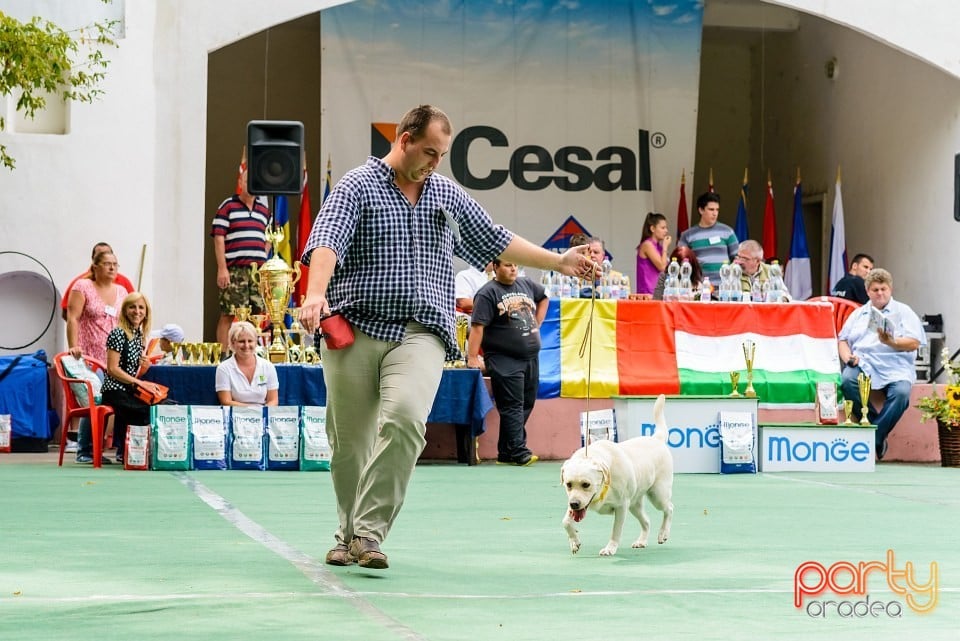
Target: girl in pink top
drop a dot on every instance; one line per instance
(652, 253)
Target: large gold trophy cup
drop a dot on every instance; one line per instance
(863, 383)
(749, 355)
(275, 281)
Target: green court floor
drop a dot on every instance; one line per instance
(478, 553)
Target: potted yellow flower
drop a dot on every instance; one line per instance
(946, 411)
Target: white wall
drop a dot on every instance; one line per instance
(131, 170)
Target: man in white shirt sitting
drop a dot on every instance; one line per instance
(888, 358)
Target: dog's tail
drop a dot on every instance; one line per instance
(659, 419)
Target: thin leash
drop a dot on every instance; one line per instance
(586, 345)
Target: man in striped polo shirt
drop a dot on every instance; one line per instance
(712, 241)
(239, 240)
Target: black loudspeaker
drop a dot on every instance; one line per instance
(274, 157)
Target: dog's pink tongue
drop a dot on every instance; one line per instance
(578, 514)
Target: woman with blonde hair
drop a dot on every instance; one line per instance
(245, 378)
(125, 360)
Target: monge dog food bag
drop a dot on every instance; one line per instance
(283, 438)
(314, 446)
(737, 443)
(170, 438)
(208, 429)
(246, 438)
(137, 453)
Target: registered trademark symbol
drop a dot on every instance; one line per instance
(658, 140)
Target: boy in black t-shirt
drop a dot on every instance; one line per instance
(507, 313)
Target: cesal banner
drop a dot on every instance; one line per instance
(584, 109)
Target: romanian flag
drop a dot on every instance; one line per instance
(650, 347)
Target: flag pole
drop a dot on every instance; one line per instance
(143, 257)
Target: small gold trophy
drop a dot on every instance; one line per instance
(848, 412)
(734, 382)
(242, 312)
(749, 355)
(275, 281)
(175, 357)
(863, 381)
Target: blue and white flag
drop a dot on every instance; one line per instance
(797, 277)
(838, 242)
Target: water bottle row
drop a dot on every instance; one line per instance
(771, 290)
(608, 286)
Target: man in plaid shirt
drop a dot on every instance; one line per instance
(381, 253)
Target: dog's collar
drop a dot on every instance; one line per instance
(606, 482)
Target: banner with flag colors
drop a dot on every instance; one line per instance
(651, 347)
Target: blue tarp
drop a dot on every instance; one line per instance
(23, 394)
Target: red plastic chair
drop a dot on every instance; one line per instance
(842, 308)
(96, 413)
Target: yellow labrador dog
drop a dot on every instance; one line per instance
(610, 477)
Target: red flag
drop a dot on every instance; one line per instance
(241, 169)
(303, 232)
(682, 221)
(710, 185)
(769, 226)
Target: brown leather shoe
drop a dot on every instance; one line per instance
(340, 555)
(368, 554)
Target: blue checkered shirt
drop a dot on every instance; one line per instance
(394, 260)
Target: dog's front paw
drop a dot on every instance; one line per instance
(610, 549)
(640, 543)
(662, 538)
(574, 546)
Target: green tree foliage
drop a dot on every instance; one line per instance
(38, 59)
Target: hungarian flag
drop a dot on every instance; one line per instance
(682, 221)
(769, 226)
(641, 348)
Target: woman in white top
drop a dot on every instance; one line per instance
(245, 378)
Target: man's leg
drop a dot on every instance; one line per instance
(896, 403)
(410, 375)
(352, 378)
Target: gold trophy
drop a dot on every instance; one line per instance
(863, 382)
(275, 281)
(848, 412)
(241, 312)
(749, 355)
(734, 382)
(462, 323)
(175, 357)
(205, 353)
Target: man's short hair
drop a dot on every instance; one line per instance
(878, 275)
(859, 257)
(753, 248)
(579, 239)
(708, 197)
(419, 118)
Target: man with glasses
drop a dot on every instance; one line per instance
(750, 258)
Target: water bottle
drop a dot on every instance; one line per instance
(613, 287)
(725, 284)
(776, 283)
(686, 284)
(566, 290)
(672, 283)
(736, 274)
(624, 287)
(546, 281)
(756, 292)
(705, 290)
